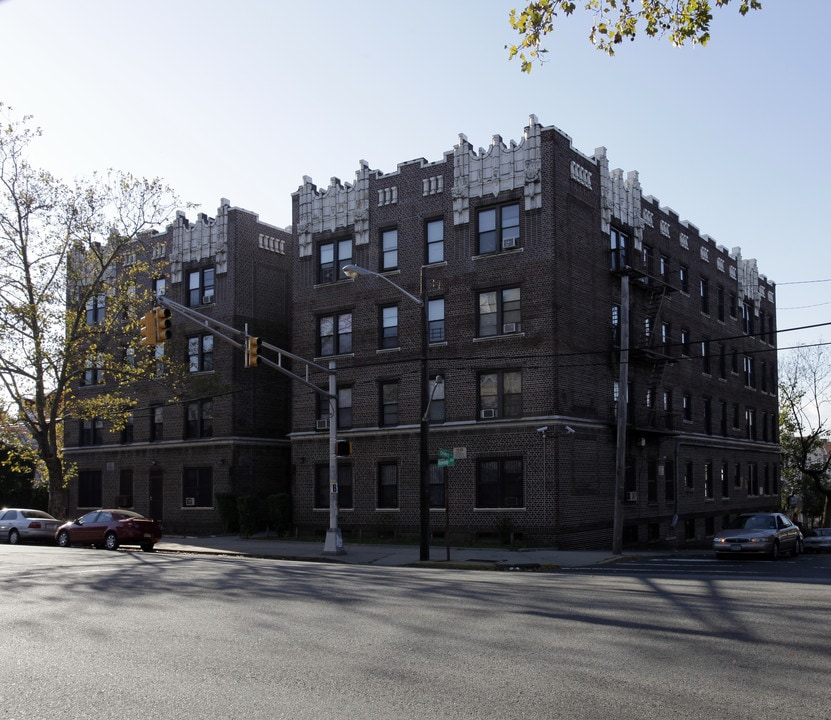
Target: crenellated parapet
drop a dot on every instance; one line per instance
(620, 198)
(497, 169)
(339, 206)
(207, 238)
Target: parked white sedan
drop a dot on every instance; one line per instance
(19, 524)
(818, 540)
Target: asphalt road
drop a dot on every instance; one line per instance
(96, 634)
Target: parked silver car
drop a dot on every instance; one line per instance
(19, 524)
(769, 534)
(818, 540)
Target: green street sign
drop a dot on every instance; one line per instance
(446, 458)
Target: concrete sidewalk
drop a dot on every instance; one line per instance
(385, 555)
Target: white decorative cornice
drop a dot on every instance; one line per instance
(206, 239)
(497, 169)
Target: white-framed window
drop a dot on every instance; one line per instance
(498, 228)
(499, 312)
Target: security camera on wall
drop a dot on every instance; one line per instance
(542, 430)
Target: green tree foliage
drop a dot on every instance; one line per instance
(804, 397)
(72, 290)
(614, 21)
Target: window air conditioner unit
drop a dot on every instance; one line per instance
(322, 424)
(190, 502)
(207, 299)
(508, 243)
(487, 414)
(510, 328)
(632, 496)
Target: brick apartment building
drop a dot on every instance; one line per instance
(527, 253)
(226, 429)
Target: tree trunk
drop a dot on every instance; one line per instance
(57, 491)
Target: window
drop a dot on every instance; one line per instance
(499, 312)
(95, 309)
(156, 423)
(763, 373)
(752, 479)
(201, 287)
(127, 431)
(159, 287)
(683, 278)
(747, 318)
(705, 356)
(389, 403)
(90, 488)
(389, 327)
(435, 320)
(708, 480)
(125, 487)
(92, 432)
(199, 419)
(197, 487)
(437, 406)
(708, 416)
(720, 303)
(435, 241)
(498, 228)
(725, 480)
(335, 334)
(750, 423)
(686, 407)
(689, 481)
(437, 486)
(731, 305)
(663, 267)
(685, 342)
(389, 249)
(333, 256)
(669, 480)
(737, 476)
(322, 494)
(620, 249)
(735, 416)
(500, 394)
(722, 417)
(648, 262)
(734, 362)
(749, 371)
(704, 292)
(344, 409)
(722, 361)
(94, 373)
(666, 337)
(499, 483)
(201, 353)
(387, 485)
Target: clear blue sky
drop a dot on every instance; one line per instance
(242, 99)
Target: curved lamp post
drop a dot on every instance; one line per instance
(353, 271)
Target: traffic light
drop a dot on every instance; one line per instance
(147, 323)
(343, 448)
(252, 351)
(161, 318)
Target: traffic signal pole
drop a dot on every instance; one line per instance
(252, 346)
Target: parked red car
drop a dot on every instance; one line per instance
(109, 529)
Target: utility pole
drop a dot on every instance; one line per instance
(622, 416)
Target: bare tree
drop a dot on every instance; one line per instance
(805, 400)
(72, 290)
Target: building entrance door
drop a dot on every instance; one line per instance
(156, 495)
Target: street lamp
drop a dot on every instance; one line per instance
(353, 271)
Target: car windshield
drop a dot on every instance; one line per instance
(754, 522)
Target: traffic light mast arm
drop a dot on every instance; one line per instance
(229, 334)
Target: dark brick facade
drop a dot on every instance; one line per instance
(155, 470)
(563, 347)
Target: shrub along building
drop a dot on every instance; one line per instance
(223, 428)
(596, 366)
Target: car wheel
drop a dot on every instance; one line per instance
(111, 541)
(774, 554)
(147, 547)
(63, 539)
(14, 537)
